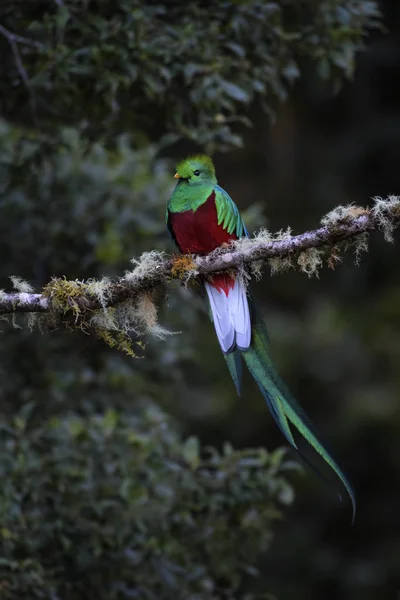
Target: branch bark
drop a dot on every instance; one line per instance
(341, 225)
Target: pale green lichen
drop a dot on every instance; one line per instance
(135, 316)
(360, 245)
(14, 321)
(279, 264)
(101, 290)
(340, 214)
(310, 261)
(264, 236)
(243, 244)
(114, 325)
(146, 266)
(256, 269)
(278, 236)
(384, 210)
(20, 285)
(105, 319)
(2, 296)
(147, 315)
(32, 318)
(117, 324)
(114, 331)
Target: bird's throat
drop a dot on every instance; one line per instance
(189, 197)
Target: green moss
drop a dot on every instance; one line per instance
(71, 297)
(64, 295)
(118, 339)
(310, 261)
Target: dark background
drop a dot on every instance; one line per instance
(335, 338)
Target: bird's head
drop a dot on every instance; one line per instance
(196, 170)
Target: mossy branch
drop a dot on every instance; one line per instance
(126, 305)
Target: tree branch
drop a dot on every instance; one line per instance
(13, 40)
(343, 227)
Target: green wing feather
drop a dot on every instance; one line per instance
(228, 214)
(284, 408)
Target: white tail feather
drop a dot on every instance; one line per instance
(231, 316)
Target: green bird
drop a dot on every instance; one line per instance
(201, 216)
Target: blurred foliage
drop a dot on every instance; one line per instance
(177, 68)
(101, 494)
(115, 507)
(66, 189)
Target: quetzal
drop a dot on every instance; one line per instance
(201, 216)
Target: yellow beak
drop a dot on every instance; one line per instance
(177, 176)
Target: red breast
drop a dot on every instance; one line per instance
(198, 232)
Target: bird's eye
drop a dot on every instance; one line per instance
(197, 173)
